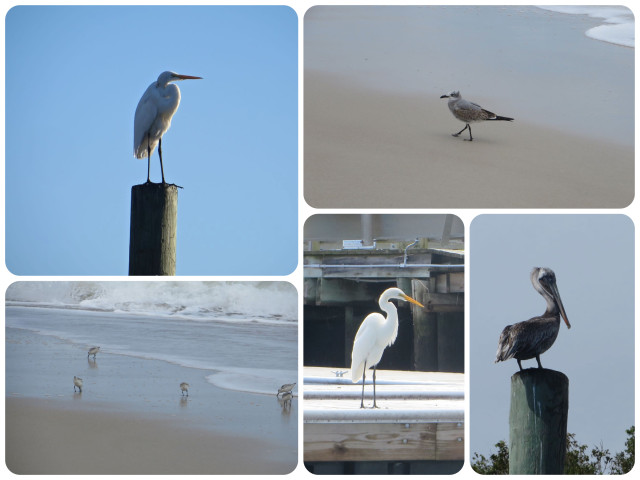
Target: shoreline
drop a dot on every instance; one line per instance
(49, 437)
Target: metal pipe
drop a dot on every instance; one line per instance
(405, 251)
(385, 265)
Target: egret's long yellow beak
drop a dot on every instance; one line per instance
(409, 299)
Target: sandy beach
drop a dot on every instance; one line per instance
(51, 437)
(131, 416)
(377, 135)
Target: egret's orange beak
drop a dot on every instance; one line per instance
(409, 299)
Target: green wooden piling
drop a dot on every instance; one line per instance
(152, 242)
(538, 422)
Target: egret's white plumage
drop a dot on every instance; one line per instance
(374, 335)
(184, 386)
(153, 116)
(77, 382)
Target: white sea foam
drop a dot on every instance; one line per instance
(263, 302)
(618, 27)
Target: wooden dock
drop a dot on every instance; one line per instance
(420, 416)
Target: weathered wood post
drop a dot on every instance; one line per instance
(152, 242)
(425, 332)
(538, 422)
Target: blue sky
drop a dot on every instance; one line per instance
(593, 259)
(74, 76)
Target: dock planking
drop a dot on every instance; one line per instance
(421, 416)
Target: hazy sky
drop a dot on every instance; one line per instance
(593, 258)
(74, 76)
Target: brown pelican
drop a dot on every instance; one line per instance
(533, 337)
(374, 335)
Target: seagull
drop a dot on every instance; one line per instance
(286, 388)
(469, 112)
(93, 351)
(77, 382)
(184, 386)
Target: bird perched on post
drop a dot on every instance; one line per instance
(77, 382)
(469, 112)
(184, 387)
(374, 335)
(533, 337)
(153, 116)
(93, 351)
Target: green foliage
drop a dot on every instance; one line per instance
(578, 460)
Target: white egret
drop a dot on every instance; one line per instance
(93, 351)
(153, 116)
(286, 388)
(184, 386)
(77, 382)
(374, 335)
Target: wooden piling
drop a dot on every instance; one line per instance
(152, 242)
(538, 422)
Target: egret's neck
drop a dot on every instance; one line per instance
(391, 323)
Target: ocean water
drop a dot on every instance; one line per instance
(618, 25)
(239, 336)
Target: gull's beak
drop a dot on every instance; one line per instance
(409, 299)
(444, 96)
(187, 77)
(556, 296)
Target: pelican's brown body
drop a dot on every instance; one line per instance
(533, 337)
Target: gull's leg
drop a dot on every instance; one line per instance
(465, 127)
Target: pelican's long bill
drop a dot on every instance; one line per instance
(556, 296)
(409, 299)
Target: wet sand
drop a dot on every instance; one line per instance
(47, 437)
(377, 135)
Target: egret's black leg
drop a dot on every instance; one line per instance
(364, 374)
(465, 127)
(519, 364)
(538, 359)
(148, 160)
(374, 387)
(160, 153)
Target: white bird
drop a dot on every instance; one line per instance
(286, 388)
(93, 351)
(77, 382)
(374, 335)
(153, 116)
(469, 112)
(184, 386)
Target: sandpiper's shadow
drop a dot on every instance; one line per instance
(184, 401)
(92, 362)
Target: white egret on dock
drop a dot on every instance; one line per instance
(286, 388)
(153, 116)
(184, 387)
(93, 351)
(374, 335)
(77, 382)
